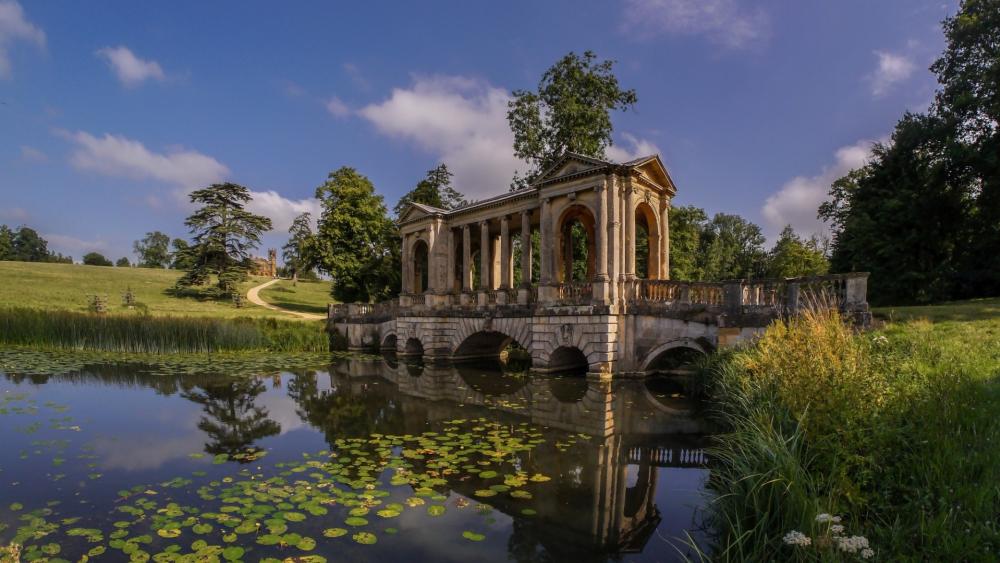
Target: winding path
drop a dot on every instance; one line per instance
(253, 295)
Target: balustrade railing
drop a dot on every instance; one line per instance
(575, 293)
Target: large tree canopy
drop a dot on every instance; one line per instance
(570, 111)
(299, 253)
(224, 233)
(356, 242)
(923, 215)
(153, 250)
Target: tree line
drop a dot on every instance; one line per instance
(923, 215)
(24, 244)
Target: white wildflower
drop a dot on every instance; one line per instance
(852, 544)
(867, 553)
(797, 538)
(837, 529)
(824, 518)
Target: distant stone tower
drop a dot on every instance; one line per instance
(272, 262)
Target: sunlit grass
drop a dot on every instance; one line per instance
(304, 296)
(896, 430)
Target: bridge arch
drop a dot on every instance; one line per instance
(389, 342)
(421, 265)
(568, 359)
(677, 348)
(413, 347)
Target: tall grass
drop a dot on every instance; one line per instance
(155, 335)
(894, 431)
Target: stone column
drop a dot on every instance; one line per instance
(629, 216)
(547, 251)
(449, 278)
(665, 238)
(466, 258)
(484, 255)
(614, 233)
(432, 268)
(506, 273)
(600, 286)
(407, 264)
(524, 293)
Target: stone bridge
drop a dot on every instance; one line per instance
(585, 286)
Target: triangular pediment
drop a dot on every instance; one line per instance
(652, 168)
(415, 211)
(569, 164)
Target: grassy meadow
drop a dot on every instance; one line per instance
(67, 287)
(891, 434)
(304, 296)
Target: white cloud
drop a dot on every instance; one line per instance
(115, 155)
(724, 22)
(798, 200)
(73, 246)
(892, 69)
(337, 107)
(130, 69)
(281, 210)
(14, 214)
(15, 27)
(638, 148)
(461, 121)
(31, 154)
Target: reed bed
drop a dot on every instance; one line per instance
(146, 334)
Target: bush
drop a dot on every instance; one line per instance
(96, 259)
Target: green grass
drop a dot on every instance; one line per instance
(305, 296)
(66, 287)
(896, 431)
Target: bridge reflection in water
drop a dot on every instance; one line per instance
(607, 497)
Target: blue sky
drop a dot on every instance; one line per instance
(111, 112)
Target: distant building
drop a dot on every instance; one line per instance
(266, 267)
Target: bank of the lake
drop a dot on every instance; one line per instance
(893, 433)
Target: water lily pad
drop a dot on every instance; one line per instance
(168, 532)
(485, 493)
(488, 474)
(295, 516)
(233, 553)
(473, 536)
(334, 532)
(269, 539)
(355, 521)
(520, 494)
(436, 510)
(365, 538)
(529, 512)
(306, 544)
(15, 506)
(201, 528)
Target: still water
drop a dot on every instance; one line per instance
(355, 461)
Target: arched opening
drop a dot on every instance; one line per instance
(388, 344)
(420, 266)
(413, 347)
(575, 247)
(647, 243)
(495, 346)
(568, 360)
(674, 360)
(568, 389)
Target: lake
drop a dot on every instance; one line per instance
(353, 460)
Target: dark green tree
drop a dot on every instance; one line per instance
(153, 250)
(6, 243)
(299, 252)
(434, 190)
(570, 111)
(223, 234)
(123, 263)
(29, 246)
(687, 223)
(180, 256)
(96, 259)
(356, 242)
(793, 257)
(733, 248)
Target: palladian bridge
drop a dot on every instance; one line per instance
(575, 271)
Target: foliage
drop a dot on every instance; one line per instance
(725, 247)
(299, 252)
(356, 242)
(434, 190)
(570, 111)
(923, 216)
(154, 335)
(893, 429)
(123, 263)
(24, 244)
(152, 250)
(181, 258)
(223, 235)
(686, 226)
(96, 259)
(792, 257)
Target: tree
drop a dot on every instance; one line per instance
(152, 250)
(356, 242)
(6, 243)
(223, 235)
(792, 257)
(299, 252)
(180, 258)
(686, 226)
(434, 190)
(29, 246)
(733, 248)
(570, 111)
(96, 259)
(123, 263)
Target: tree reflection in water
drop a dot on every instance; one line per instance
(232, 420)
